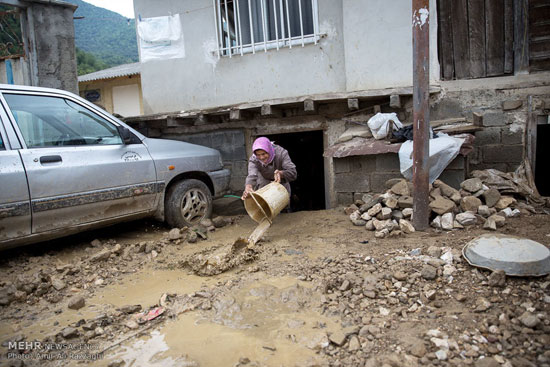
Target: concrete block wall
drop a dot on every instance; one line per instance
(231, 145)
(358, 175)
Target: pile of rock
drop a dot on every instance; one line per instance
(391, 213)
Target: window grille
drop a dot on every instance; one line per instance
(249, 26)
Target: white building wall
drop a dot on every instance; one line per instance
(368, 45)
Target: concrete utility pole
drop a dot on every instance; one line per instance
(421, 111)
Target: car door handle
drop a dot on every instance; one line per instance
(50, 159)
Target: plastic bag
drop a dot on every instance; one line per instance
(443, 150)
(379, 124)
(160, 38)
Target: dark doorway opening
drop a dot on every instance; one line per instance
(542, 173)
(306, 151)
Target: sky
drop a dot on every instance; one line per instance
(123, 7)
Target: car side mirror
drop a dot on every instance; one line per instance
(125, 134)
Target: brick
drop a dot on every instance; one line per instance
(494, 119)
(512, 137)
(344, 198)
(489, 135)
(341, 165)
(378, 180)
(236, 183)
(351, 182)
(388, 162)
(365, 163)
(503, 167)
(358, 196)
(457, 163)
(237, 137)
(446, 108)
(240, 168)
(511, 105)
(502, 153)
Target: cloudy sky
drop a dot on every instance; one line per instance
(123, 7)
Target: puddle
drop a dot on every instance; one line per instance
(268, 321)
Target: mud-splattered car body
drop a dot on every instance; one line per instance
(67, 166)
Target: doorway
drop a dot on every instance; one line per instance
(542, 174)
(306, 152)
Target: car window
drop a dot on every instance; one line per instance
(1, 143)
(52, 121)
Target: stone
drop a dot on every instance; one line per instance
(457, 225)
(472, 185)
(407, 212)
(370, 225)
(441, 355)
(338, 338)
(406, 226)
(100, 256)
(207, 222)
(76, 303)
(482, 305)
(356, 215)
(69, 333)
(441, 205)
(466, 219)
(358, 222)
(405, 202)
(470, 204)
(397, 215)
(381, 224)
(418, 349)
(497, 279)
(529, 320)
(385, 213)
(434, 251)
(447, 221)
(382, 233)
(58, 284)
(354, 344)
(484, 211)
(505, 202)
(192, 237)
(174, 234)
(96, 243)
(490, 224)
(366, 217)
(498, 219)
(348, 210)
(512, 105)
(447, 190)
(369, 204)
(401, 188)
(128, 309)
(436, 223)
(219, 222)
(375, 210)
(491, 197)
(390, 202)
(428, 272)
(131, 324)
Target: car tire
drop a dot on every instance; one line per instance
(187, 203)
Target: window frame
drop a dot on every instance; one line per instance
(17, 129)
(281, 19)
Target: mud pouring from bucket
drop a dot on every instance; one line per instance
(263, 206)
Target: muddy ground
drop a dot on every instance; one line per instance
(316, 291)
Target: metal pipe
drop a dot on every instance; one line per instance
(228, 29)
(281, 12)
(301, 21)
(238, 15)
(219, 32)
(263, 24)
(251, 27)
(276, 26)
(288, 21)
(421, 112)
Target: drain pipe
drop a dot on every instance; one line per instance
(421, 112)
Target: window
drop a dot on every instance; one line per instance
(244, 26)
(51, 121)
(2, 143)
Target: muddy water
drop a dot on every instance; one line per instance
(265, 321)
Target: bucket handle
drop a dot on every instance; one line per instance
(262, 209)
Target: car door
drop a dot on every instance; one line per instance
(78, 168)
(15, 212)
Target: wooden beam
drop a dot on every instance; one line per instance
(310, 106)
(268, 110)
(395, 101)
(238, 114)
(477, 119)
(353, 104)
(446, 39)
(476, 34)
(461, 48)
(521, 37)
(376, 109)
(494, 23)
(508, 36)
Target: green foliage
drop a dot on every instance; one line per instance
(10, 32)
(109, 36)
(88, 63)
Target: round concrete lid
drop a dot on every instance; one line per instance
(515, 256)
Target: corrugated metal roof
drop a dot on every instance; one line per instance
(114, 72)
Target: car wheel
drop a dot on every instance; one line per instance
(187, 203)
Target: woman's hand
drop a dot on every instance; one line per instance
(278, 176)
(247, 190)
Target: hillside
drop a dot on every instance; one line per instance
(109, 36)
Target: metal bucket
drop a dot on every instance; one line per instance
(267, 202)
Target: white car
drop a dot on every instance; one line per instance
(66, 166)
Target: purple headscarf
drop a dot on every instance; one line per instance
(264, 144)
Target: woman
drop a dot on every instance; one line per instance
(270, 162)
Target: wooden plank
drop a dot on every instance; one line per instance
(476, 35)
(445, 31)
(459, 129)
(508, 36)
(461, 48)
(494, 28)
(531, 135)
(521, 37)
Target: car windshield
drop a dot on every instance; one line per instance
(47, 121)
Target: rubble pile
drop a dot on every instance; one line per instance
(390, 214)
